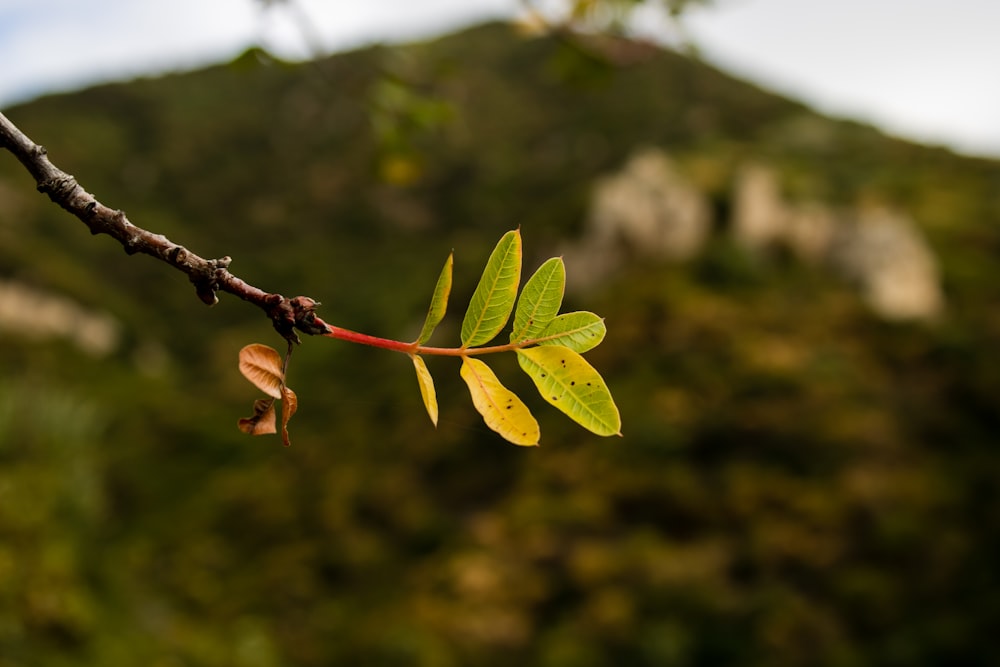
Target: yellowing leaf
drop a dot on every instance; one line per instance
(262, 366)
(263, 420)
(439, 302)
(567, 381)
(289, 404)
(579, 331)
(494, 297)
(540, 300)
(426, 388)
(501, 409)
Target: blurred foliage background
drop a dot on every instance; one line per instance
(800, 482)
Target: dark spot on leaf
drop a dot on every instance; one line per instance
(555, 398)
(588, 384)
(572, 383)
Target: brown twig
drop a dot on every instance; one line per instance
(208, 275)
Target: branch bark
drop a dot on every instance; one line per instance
(208, 276)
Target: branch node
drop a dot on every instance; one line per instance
(205, 288)
(57, 187)
(208, 278)
(282, 317)
(207, 296)
(131, 244)
(304, 312)
(287, 315)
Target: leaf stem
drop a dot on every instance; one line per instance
(414, 348)
(373, 341)
(471, 351)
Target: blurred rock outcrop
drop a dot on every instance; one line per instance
(650, 210)
(880, 250)
(762, 218)
(884, 253)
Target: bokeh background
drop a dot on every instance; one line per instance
(801, 340)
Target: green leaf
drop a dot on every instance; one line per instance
(494, 297)
(567, 381)
(579, 331)
(540, 300)
(501, 409)
(439, 301)
(426, 388)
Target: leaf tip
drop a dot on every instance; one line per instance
(427, 392)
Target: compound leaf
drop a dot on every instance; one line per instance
(262, 366)
(567, 381)
(493, 300)
(540, 300)
(439, 302)
(426, 388)
(579, 331)
(501, 409)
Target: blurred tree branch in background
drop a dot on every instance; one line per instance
(618, 18)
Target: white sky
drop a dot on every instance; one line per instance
(923, 69)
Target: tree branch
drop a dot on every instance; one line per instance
(208, 275)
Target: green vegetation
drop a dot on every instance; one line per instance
(800, 483)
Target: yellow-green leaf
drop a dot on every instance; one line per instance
(567, 381)
(579, 331)
(426, 388)
(493, 300)
(501, 409)
(439, 302)
(262, 366)
(540, 300)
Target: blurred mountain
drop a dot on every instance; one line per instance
(807, 477)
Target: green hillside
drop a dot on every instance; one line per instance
(800, 482)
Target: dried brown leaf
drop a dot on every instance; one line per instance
(263, 420)
(289, 404)
(261, 365)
